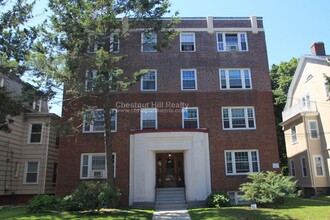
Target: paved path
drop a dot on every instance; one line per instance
(171, 214)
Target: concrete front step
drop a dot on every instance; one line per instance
(170, 198)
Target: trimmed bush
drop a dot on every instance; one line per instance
(268, 189)
(42, 203)
(92, 195)
(218, 199)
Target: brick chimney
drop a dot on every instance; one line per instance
(317, 49)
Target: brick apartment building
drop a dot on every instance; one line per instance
(201, 119)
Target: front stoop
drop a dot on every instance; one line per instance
(170, 198)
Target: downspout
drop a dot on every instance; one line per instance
(309, 156)
(46, 160)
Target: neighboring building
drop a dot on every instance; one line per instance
(28, 154)
(306, 122)
(201, 119)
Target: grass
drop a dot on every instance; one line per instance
(292, 209)
(20, 213)
(323, 198)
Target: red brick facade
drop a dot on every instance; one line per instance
(208, 97)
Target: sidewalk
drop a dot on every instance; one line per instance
(181, 214)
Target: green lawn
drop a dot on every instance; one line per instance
(19, 213)
(293, 209)
(323, 198)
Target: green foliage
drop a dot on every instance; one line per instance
(92, 195)
(218, 199)
(281, 76)
(268, 189)
(42, 203)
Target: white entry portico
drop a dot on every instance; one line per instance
(145, 145)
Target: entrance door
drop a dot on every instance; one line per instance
(169, 170)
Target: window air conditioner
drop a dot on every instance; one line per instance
(98, 174)
(232, 47)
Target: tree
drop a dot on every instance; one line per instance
(81, 26)
(327, 79)
(16, 41)
(281, 77)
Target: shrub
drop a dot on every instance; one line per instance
(41, 203)
(92, 195)
(217, 199)
(268, 189)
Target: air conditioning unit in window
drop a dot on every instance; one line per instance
(98, 174)
(232, 47)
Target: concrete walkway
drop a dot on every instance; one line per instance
(181, 214)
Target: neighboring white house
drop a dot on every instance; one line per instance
(306, 122)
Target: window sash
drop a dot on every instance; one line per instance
(187, 41)
(190, 118)
(242, 162)
(148, 81)
(235, 79)
(31, 172)
(188, 80)
(232, 42)
(303, 167)
(294, 138)
(149, 118)
(319, 167)
(94, 162)
(96, 123)
(292, 168)
(313, 129)
(149, 41)
(35, 133)
(114, 42)
(238, 118)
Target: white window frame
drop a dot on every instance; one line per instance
(316, 130)
(89, 165)
(194, 41)
(87, 79)
(143, 80)
(30, 132)
(37, 104)
(306, 101)
(294, 137)
(239, 41)
(246, 117)
(303, 165)
(237, 200)
(321, 163)
(243, 79)
(195, 74)
(26, 172)
(91, 126)
(233, 162)
(142, 118)
(148, 43)
(112, 42)
(183, 116)
(292, 167)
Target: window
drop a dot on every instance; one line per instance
(31, 172)
(313, 130)
(35, 133)
(93, 166)
(190, 118)
(232, 42)
(235, 79)
(16, 169)
(37, 105)
(187, 42)
(2, 82)
(149, 42)
(292, 168)
(238, 118)
(306, 101)
(54, 172)
(94, 120)
(95, 42)
(327, 89)
(90, 80)
(114, 43)
(303, 167)
(242, 162)
(235, 198)
(318, 162)
(149, 81)
(149, 118)
(188, 79)
(294, 138)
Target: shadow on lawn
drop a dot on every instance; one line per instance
(299, 202)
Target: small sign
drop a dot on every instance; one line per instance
(276, 165)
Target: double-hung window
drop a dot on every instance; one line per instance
(149, 42)
(94, 166)
(37, 104)
(94, 121)
(149, 118)
(318, 164)
(235, 79)
(313, 130)
(188, 79)
(114, 42)
(292, 168)
(149, 81)
(190, 118)
(31, 172)
(238, 118)
(306, 102)
(90, 80)
(294, 138)
(35, 133)
(187, 42)
(95, 43)
(241, 162)
(232, 42)
(303, 167)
